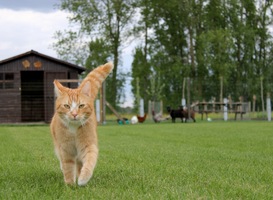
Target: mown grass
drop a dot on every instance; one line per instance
(216, 160)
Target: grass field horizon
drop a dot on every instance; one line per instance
(204, 160)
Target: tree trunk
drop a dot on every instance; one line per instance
(262, 94)
(221, 89)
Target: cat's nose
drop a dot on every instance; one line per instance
(74, 114)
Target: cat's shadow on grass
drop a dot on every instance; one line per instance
(50, 179)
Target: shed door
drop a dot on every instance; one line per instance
(32, 96)
(49, 92)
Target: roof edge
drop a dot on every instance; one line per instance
(33, 52)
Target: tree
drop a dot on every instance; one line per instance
(141, 67)
(264, 46)
(217, 45)
(107, 20)
(168, 54)
(100, 52)
(205, 40)
(71, 47)
(141, 71)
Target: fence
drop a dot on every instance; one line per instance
(30, 103)
(206, 108)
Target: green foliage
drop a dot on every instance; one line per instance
(155, 93)
(216, 160)
(70, 47)
(100, 53)
(105, 26)
(141, 74)
(203, 40)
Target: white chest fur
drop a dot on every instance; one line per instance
(73, 127)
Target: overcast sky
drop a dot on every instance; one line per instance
(30, 25)
(37, 5)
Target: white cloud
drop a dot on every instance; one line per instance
(24, 30)
(41, 6)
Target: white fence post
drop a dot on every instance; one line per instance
(98, 110)
(183, 102)
(268, 108)
(225, 109)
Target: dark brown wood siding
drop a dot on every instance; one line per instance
(10, 110)
(10, 101)
(17, 104)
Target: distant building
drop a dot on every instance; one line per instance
(26, 86)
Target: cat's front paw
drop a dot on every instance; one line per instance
(85, 176)
(69, 182)
(83, 181)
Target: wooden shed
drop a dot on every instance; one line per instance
(26, 86)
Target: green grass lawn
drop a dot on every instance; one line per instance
(203, 160)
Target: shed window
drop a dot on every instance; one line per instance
(6, 80)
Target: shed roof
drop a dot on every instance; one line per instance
(32, 52)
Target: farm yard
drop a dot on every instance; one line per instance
(208, 62)
(204, 160)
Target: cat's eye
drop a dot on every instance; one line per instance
(81, 106)
(67, 106)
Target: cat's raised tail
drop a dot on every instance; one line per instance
(93, 81)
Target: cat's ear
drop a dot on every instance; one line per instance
(86, 88)
(58, 88)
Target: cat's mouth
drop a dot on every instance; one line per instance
(75, 119)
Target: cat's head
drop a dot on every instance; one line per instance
(74, 106)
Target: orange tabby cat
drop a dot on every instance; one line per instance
(74, 126)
